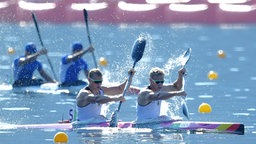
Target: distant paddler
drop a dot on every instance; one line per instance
(73, 64)
(25, 66)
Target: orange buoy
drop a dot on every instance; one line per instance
(11, 50)
(212, 75)
(61, 137)
(103, 61)
(204, 108)
(221, 54)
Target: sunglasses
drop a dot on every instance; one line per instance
(95, 81)
(158, 81)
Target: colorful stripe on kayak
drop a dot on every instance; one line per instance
(223, 127)
(177, 125)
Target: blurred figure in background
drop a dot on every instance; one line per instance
(25, 66)
(72, 64)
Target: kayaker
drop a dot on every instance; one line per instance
(72, 64)
(25, 66)
(150, 99)
(92, 99)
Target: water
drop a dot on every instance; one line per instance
(232, 95)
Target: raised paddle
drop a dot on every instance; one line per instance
(88, 35)
(137, 53)
(42, 44)
(185, 59)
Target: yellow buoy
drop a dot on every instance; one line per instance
(212, 75)
(103, 61)
(11, 50)
(204, 108)
(61, 137)
(221, 54)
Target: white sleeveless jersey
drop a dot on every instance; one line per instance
(150, 111)
(92, 110)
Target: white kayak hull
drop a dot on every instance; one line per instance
(47, 88)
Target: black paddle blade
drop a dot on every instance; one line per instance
(138, 49)
(186, 57)
(85, 15)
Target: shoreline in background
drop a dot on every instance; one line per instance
(130, 11)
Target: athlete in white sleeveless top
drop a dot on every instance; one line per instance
(92, 110)
(90, 99)
(150, 99)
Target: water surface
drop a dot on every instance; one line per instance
(232, 95)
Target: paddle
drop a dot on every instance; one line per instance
(88, 34)
(185, 59)
(137, 53)
(42, 44)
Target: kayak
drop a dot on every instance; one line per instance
(46, 88)
(177, 125)
(174, 125)
(51, 88)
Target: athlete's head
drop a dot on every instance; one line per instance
(30, 48)
(156, 78)
(95, 76)
(77, 46)
(156, 73)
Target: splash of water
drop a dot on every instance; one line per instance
(173, 105)
(171, 64)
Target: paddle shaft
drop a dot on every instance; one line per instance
(137, 53)
(42, 44)
(126, 87)
(89, 37)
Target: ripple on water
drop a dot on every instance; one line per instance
(5, 67)
(205, 96)
(238, 49)
(6, 99)
(64, 103)
(241, 97)
(241, 114)
(205, 83)
(251, 109)
(227, 95)
(239, 90)
(190, 98)
(242, 58)
(36, 116)
(234, 69)
(6, 132)
(16, 108)
(253, 78)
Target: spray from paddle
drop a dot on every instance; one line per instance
(171, 64)
(172, 106)
(137, 53)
